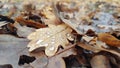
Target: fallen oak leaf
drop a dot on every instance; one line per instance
(97, 48)
(50, 38)
(109, 39)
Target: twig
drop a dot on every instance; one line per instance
(69, 47)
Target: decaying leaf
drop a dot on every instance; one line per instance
(50, 38)
(109, 39)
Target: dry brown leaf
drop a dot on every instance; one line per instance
(109, 39)
(30, 23)
(97, 48)
(50, 38)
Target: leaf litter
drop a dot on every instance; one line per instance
(48, 34)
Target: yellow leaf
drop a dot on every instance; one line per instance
(50, 38)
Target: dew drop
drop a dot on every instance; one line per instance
(45, 45)
(68, 35)
(48, 35)
(52, 42)
(39, 41)
(52, 48)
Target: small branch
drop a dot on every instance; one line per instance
(69, 47)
